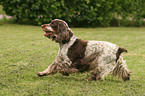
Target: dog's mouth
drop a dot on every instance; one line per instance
(48, 31)
(50, 35)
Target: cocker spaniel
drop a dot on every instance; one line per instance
(76, 55)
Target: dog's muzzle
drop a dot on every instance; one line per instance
(48, 30)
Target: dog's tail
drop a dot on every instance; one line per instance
(122, 71)
(120, 50)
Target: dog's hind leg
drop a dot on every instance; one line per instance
(105, 65)
(95, 76)
(121, 69)
(104, 71)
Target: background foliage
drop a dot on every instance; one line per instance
(76, 12)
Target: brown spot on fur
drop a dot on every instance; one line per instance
(76, 53)
(120, 50)
(62, 32)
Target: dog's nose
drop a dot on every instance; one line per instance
(42, 25)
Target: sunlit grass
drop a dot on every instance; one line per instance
(24, 51)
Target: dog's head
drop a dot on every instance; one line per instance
(58, 31)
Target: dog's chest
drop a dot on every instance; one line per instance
(63, 50)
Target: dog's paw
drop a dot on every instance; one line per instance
(40, 74)
(65, 74)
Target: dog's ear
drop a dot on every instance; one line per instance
(63, 33)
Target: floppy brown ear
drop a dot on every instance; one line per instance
(63, 33)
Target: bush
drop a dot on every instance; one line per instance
(75, 12)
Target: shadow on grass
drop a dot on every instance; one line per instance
(77, 78)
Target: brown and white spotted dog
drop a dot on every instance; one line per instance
(76, 55)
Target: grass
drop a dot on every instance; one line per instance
(24, 51)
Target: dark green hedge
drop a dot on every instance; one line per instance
(75, 12)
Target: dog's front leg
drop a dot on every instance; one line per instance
(49, 70)
(67, 68)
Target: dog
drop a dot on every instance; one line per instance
(76, 55)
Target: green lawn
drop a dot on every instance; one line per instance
(24, 51)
